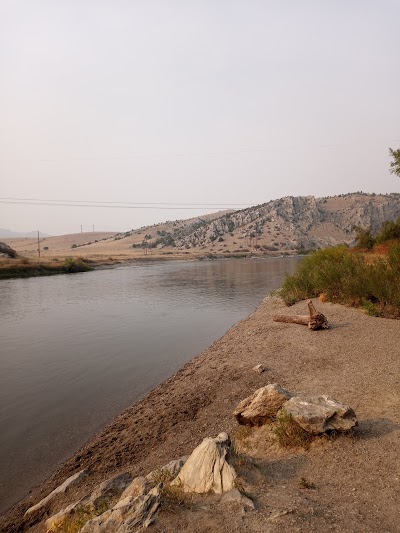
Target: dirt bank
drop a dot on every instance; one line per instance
(357, 479)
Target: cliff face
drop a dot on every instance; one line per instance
(294, 223)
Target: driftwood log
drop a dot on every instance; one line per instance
(314, 320)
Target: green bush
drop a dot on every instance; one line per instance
(74, 264)
(364, 238)
(389, 231)
(346, 277)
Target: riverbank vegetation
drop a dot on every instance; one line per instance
(350, 276)
(24, 268)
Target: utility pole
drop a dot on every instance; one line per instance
(38, 244)
(81, 229)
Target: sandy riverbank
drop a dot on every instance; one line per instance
(357, 479)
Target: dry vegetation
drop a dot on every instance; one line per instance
(350, 277)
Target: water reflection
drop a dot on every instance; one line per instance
(76, 350)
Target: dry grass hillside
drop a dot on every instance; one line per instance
(287, 225)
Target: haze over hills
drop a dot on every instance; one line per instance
(292, 223)
(9, 234)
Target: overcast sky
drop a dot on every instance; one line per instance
(222, 102)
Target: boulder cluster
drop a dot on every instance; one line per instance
(122, 504)
(314, 414)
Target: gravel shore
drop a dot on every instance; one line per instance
(356, 479)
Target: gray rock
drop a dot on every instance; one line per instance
(109, 489)
(7, 250)
(127, 517)
(259, 368)
(101, 497)
(167, 472)
(318, 414)
(72, 480)
(261, 406)
(207, 468)
(138, 487)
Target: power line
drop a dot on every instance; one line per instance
(186, 204)
(150, 206)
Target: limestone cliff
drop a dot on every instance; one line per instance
(294, 223)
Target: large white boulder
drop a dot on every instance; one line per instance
(319, 414)
(207, 468)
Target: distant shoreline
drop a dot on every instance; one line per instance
(17, 269)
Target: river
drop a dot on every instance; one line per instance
(75, 350)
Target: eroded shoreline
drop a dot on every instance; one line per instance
(356, 361)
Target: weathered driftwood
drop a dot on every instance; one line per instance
(314, 320)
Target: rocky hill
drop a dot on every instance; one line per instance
(279, 226)
(290, 223)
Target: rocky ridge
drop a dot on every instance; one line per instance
(295, 223)
(291, 223)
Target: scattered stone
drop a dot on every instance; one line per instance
(61, 488)
(96, 501)
(127, 516)
(261, 406)
(236, 496)
(207, 468)
(259, 368)
(276, 514)
(318, 414)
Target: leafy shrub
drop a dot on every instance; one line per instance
(364, 238)
(74, 264)
(389, 231)
(346, 277)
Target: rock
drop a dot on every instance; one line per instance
(133, 504)
(96, 501)
(259, 368)
(109, 489)
(261, 406)
(138, 487)
(276, 514)
(61, 488)
(7, 250)
(235, 496)
(53, 523)
(127, 516)
(207, 468)
(318, 414)
(167, 472)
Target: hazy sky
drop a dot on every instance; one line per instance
(224, 102)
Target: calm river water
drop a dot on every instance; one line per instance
(75, 350)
